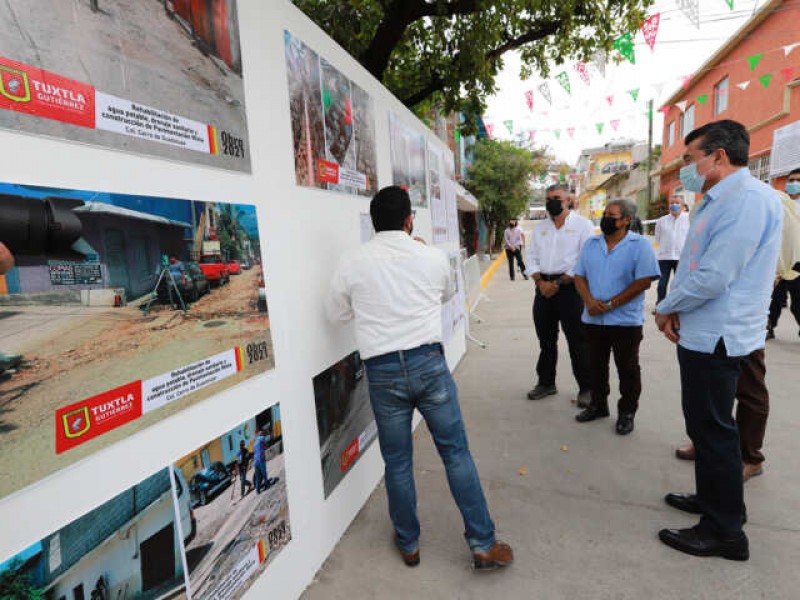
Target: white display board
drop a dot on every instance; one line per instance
(785, 150)
(304, 230)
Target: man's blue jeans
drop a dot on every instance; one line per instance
(420, 378)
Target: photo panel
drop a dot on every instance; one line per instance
(408, 160)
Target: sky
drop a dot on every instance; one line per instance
(679, 50)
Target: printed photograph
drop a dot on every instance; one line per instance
(140, 307)
(408, 160)
(156, 77)
(345, 421)
(237, 492)
(128, 547)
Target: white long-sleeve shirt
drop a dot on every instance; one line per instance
(393, 286)
(552, 250)
(671, 235)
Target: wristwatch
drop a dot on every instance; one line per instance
(609, 305)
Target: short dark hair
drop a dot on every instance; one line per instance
(389, 208)
(729, 135)
(557, 186)
(794, 172)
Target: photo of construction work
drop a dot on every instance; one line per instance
(156, 77)
(147, 306)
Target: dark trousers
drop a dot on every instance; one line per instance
(667, 268)
(708, 387)
(565, 308)
(510, 256)
(784, 288)
(624, 342)
(752, 408)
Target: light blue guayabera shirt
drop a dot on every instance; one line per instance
(723, 285)
(610, 273)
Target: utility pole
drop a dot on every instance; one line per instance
(649, 152)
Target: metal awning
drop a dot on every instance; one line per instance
(465, 200)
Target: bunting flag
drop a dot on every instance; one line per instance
(650, 30)
(571, 131)
(765, 79)
(615, 124)
(634, 94)
(557, 132)
(624, 44)
(649, 115)
(754, 60)
(691, 8)
(544, 90)
(787, 50)
(600, 128)
(743, 86)
(658, 88)
(729, 3)
(489, 130)
(529, 99)
(787, 74)
(664, 110)
(610, 100)
(702, 99)
(509, 125)
(599, 61)
(685, 79)
(583, 71)
(457, 136)
(563, 79)
(682, 105)
(531, 135)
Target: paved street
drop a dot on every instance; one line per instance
(583, 518)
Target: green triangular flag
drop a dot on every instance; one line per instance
(702, 98)
(624, 44)
(457, 136)
(765, 79)
(558, 134)
(326, 99)
(649, 114)
(634, 94)
(563, 79)
(729, 3)
(509, 125)
(600, 127)
(541, 177)
(754, 60)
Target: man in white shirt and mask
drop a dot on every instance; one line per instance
(671, 232)
(393, 287)
(553, 251)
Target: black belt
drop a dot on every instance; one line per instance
(401, 355)
(551, 276)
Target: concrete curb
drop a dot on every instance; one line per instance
(487, 276)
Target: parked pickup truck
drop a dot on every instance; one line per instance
(215, 269)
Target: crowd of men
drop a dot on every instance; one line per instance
(733, 260)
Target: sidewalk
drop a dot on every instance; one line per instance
(583, 519)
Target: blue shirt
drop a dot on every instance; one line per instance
(723, 285)
(610, 273)
(260, 450)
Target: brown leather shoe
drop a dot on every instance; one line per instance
(498, 555)
(411, 560)
(751, 470)
(685, 452)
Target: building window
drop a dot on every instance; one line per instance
(721, 97)
(759, 167)
(687, 121)
(671, 134)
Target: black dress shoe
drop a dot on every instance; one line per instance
(693, 541)
(685, 502)
(624, 424)
(590, 414)
(542, 391)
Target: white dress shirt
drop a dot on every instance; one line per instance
(671, 235)
(512, 237)
(552, 250)
(393, 286)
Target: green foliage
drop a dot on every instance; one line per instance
(230, 232)
(16, 584)
(500, 179)
(448, 52)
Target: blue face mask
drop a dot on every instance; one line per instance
(691, 179)
(674, 207)
(793, 188)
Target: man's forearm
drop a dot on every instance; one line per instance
(632, 291)
(583, 289)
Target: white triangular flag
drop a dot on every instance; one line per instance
(787, 50)
(682, 105)
(743, 85)
(691, 8)
(599, 61)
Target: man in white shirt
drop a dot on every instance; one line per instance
(513, 239)
(393, 287)
(555, 246)
(671, 232)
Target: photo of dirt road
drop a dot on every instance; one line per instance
(161, 78)
(82, 331)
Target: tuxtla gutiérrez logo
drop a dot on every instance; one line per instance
(14, 84)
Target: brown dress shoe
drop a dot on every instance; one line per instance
(498, 555)
(685, 452)
(412, 559)
(751, 470)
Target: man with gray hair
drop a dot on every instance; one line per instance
(611, 275)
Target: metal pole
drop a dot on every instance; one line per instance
(649, 152)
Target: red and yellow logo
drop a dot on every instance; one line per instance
(76, 422)
(14, 84)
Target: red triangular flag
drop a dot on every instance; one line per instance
(529, 99)
(664, 109)
(571, 131)
(787, 73)
(650, 30)
(615, 123)
(610, 100)
(489, 130)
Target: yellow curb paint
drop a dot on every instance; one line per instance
(487, 276)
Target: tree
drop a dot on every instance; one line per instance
(230, 232)
(447, 53)
(16, 584)
(500, 179)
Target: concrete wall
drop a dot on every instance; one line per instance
(298, 274)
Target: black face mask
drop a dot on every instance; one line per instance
(554, 207)
(608, 225)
